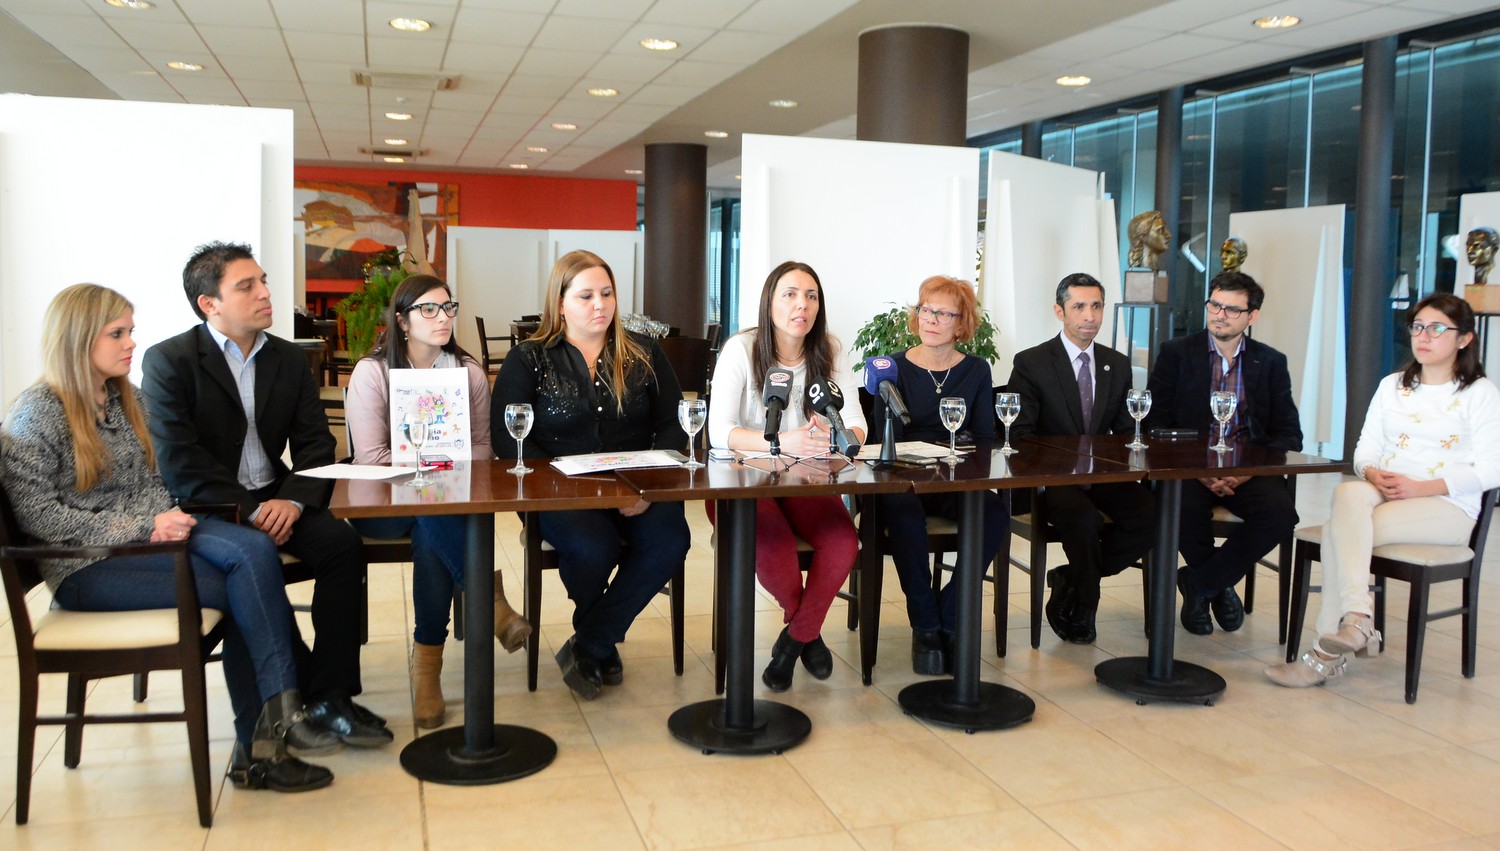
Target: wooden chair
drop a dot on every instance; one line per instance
(538, 555)
(93, 645)
(1422, 565)
(689, 359)
(1224, 521)
(491, 360)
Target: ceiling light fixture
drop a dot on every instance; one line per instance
(519, 165)
(395, 159)
(398, 116)
(1277, 22)
(783, 103)
(563, 125)
(536, 149)
(178, 65)
(634, 171)
(603, 92)
(716, 134)
(1074, 80)
(395, 141)
(658, 44)
(410, 25)
(137, 5)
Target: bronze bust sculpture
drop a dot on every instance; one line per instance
(1232, 254)
(1481, 249)
(1149, 240)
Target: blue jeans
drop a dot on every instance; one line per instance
(437, 555)
(903, 519)
(237, 571)
(589, 544)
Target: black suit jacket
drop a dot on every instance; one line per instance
(1047, 380)
(198, 424)
(1179, 392)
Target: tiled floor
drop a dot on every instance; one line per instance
(1350, 765)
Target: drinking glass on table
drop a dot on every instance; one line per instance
(1138, 405)
(952, 410)
(417, 426)
(1007, 408)
(518, 423)
(691, 413)
(1221, 403)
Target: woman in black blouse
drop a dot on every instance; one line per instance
(594, 387)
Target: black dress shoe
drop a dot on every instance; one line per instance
(1060, 602)
(281, 774)
(1228, 609)
(338, 715)
(612, 670)
(1195, 617)
(580, 670)
(927, 656)
(367, 716)
(308, 739)
(1083, 626)
(817, 659)
(784, 655)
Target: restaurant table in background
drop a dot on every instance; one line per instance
(1169, 463)
(965, 701)
(481, 751)
(738, 723)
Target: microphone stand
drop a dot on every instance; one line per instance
(888, 443)
(773, 453)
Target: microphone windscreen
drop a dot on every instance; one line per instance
(877, 369)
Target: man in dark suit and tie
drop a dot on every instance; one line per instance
(1069, 386)
(1188, 369)
(227, 399)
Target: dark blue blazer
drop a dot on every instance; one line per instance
(1179, 392)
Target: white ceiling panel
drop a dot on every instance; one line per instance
(81, 30)
(464, 100)
(789, 17)
(1241, 27)
(704, 75)
(327, 47)
(249, 13)
(344, 93)
(493, 26)
(585, 107)
(630, 69)
(1363, 26)
(639, 112)
(270, 89)
(522, 105)
(329, 16)
(258, 68)
(1168, 51)
(687, 38)
(627, 10)
(1184, 15)
(540, 87)
(493, 59)
(106, 60)
(262, 43)
(394, 52)
(1099, 43)
(1232, 59)
(664, 95)
(159, 36)
(740, 47)
(378, 15)
(695, 13)
(334, 73)
(596, 34)
(555, 63)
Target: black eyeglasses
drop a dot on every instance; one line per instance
(1434, 329)
(429, 309)
(1228, 310)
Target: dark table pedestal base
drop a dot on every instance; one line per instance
(1187, 683)
(998, 707)
(775, 728)
(442, 757)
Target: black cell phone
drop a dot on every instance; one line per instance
(436, 459)
(1167, 433)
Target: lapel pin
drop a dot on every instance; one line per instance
(1106, 367)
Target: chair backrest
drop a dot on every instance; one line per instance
(714, 333)
(689, 359)
(1481, 531)
(488, 358)
(19, 575)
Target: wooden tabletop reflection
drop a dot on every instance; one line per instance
(1035, 465)
(481, 487)
(1189, 458)
(753, 478)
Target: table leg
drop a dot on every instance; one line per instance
(1158, 676)
(738, 723)
(965, 701)
(481, 752)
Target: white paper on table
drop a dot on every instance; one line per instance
(603, 462)
(442, 397)
(919, 448)
(362, 472)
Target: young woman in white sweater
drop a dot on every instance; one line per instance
(1429, 447)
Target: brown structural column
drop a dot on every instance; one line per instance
(913, 84)
(676, 282)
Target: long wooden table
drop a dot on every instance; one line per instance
(482, 751)
(1169, 463)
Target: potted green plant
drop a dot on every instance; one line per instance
(888, 333)
(363, 310)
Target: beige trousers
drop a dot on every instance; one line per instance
(1361, 520)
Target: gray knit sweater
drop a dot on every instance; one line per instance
(36, 465)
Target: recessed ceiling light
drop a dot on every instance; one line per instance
(1074, 80)
(137, 5)
(410, 25)
(603, 92)
(563, 125)
(783, 103)
(398, 116)
(395, 141)
(716, 134)
(536, 149)
(395, 159)
(184, 66)
(634, 171)
(1277, 22)
(658, 44)
(519, 165)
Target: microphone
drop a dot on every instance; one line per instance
(824, 397)
(778, 393)
(880, 380)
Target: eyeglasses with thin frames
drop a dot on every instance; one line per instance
(942, 317)
(429, 309)
(1228, 310)
(1434, 329)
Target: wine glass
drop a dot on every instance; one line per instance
(1138, 405)
(518, 423)
(1007, 408)
(1222, 403)
(416, 431)
(952, 410)
(690, 415)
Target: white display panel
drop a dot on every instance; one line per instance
(1478, 209)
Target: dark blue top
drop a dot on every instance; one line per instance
(969, 378)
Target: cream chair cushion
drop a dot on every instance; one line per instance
(60, 629)
(1427, 555)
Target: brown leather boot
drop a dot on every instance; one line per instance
(510, 627)
(427, 675)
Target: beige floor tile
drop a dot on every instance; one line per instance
(1011, 828)
(139, 833)
(896, 782)
(387, 821)
(839, 841)
(1196, 747)
(1318, 723)
(721, 799)
(1472, 843)
(1326, 808)
(1061, 760)
(1452, 783)
(538, 812)
(1175, 817)
(854, 717)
